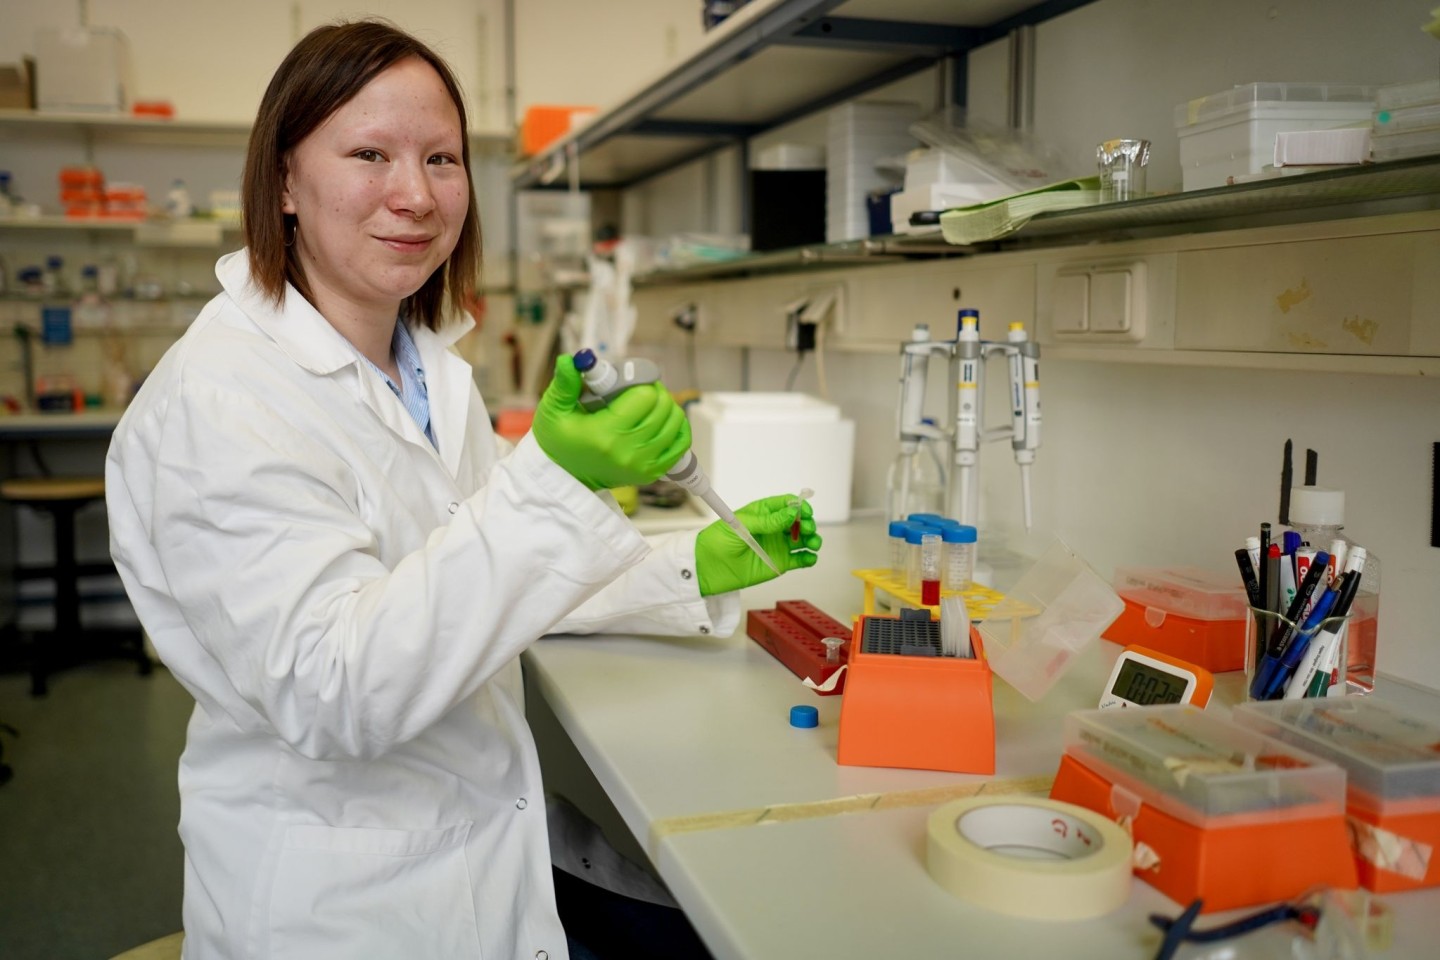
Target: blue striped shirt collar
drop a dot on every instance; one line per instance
(415, 396)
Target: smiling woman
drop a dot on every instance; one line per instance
(349, 99)
(378, 196)
(332, 552)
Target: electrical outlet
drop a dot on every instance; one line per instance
(686, 316)
(799, 334)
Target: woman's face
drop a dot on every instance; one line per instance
(380, 193)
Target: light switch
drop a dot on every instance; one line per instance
(1070, 303)
(1110, 304)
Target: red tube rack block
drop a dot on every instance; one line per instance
(792, 633)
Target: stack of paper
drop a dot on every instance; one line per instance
(989, 221)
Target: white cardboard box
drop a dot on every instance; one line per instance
(756, 445)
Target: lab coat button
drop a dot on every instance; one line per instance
(541, 955)
(521, 804)
(685, 574)
(704, 629)
(454, 507)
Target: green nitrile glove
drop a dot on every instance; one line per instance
(723, 562)
(633, 440)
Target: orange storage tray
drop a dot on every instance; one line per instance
(1409, 860)
(916, 712)
(1216, 645)
(1228, 867)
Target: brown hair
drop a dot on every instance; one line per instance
(320, 75)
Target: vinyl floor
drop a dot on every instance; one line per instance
(90, 861)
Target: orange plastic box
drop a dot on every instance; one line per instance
(545, 124)
(1194, 614)
(1218, 811)
(915, 711)
(1392, 763)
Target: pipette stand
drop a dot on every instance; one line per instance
(968, 356)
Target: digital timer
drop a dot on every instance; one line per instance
(1143, 678)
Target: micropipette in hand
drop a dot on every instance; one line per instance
(604, 382)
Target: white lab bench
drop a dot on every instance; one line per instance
(675, 729)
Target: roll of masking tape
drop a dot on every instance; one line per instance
(1029, 857)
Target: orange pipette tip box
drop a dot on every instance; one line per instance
(1217, 812)
(916, 712)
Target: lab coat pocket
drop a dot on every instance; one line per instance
(347, 892)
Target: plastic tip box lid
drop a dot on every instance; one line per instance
(1184, 591)
(1250, 95)
(1199, 768)
(1387, 752)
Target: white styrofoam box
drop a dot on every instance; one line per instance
(1232, 134)
(82, 69)
(790, 156)
(939, 196)
(1318, 147)
(755, 445)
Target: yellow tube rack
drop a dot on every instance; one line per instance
(979, 599)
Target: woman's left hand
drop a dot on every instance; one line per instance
(724, 562)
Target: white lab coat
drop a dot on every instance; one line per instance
(347, 605)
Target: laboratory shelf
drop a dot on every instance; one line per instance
(1369, 190)
(850, 253)
(772, 62)
(119, 128)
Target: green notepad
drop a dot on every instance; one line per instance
(989, 221)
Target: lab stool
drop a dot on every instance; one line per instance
(166, 948)
(62, 498)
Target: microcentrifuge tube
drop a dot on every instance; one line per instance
(832, 648)
(805, 494)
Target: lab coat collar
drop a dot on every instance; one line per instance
(310, 341)
(297, 327)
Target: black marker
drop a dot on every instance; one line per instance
(1247, 577)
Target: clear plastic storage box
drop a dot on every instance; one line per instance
(1232, 133)
(1183, 591)
(1201, 769)
(1206, 800)
(1392, 761)
(1194, 614)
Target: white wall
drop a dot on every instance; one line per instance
(1156, 54)
(579, 53)
(1163, 465)
(213, 58)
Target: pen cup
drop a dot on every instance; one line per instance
(1288, 660)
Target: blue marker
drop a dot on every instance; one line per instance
(1265, 682)
(1296, 653)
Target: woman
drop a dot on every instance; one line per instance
(316, 527)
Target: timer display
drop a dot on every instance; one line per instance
(1145, 678)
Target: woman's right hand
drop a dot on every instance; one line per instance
(639, 436)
